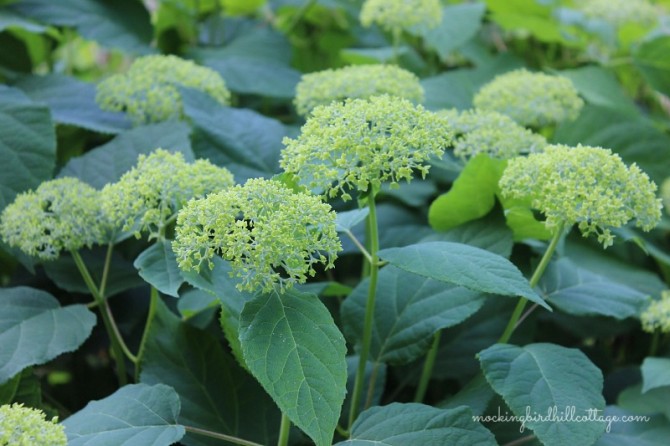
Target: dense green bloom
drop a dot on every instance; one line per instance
(620, 12)
(589, 186)
(149, 91)
(665, 194)
(24, 426)
(271, 235)
(148, 197)
(657, 315)
(401, 14)
(356, 81)
(531, 99)
(363, 142)
(487, 132)
(62, 214)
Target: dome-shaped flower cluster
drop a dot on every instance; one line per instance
(401, 14)
(24, 426)
(149, 90)
(148, 197)
(363, 142)
(356, 81)
(270, 235)
(620, 12)
(531, 99)
(497, 135)
(589, 186)
(60, 215)
(656, 317)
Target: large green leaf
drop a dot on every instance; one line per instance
(216, 394)
(653, 401)
(408, 311)
(463, 265)
(106, 163)
(655, 373)
(122, 24)
(643, 431)
(294, 349)
(601, 88)
(459, 24)
(348, 219)
(27, 144)
(539, 378)
(417, 424)
(158, 265)
(651, 58)
(10, 19)
(581, 292)
(134, 415)
(35, 329)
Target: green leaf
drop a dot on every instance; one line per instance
(122, 24)
(372, 371)
(106, 163)
(27, 144)
(652, 431)
(134, 415)
(158, 266)
(409, 310)
(653, 401)
(10, 19)
(521, 221)
(348, 219)
(460, 23)
(215, 393)
(35, 329)
(72, 102)
(405, 424)
(24, 388)
(476, 394)
(463, 265)
(472, 195)
(655, 373)
(294, 349)
(651, 58)
(539, 377)
(581, 292)
(601, 88)
(198, 307)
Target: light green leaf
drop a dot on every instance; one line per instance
(409, 310)
(521, 221)
(416, 424)
(539, 377)
(460, 23)
(463, 265)
(601, 88)
(10, 19)
(34, 329)
(294, 349)
(348, 219)
(653, 401)
(649, 431)
(655, 373)
(158, 266)
(651, 58)
(134, 415)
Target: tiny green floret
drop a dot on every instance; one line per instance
(588, 186)
(531, 99)
(149, 90)
(64, 214)
(148, 197)
(656, 317)
(24, 426)
(497, 135)
(361, 143)
(401, 14)
(620, 12)
(272, 236)
(356, 81)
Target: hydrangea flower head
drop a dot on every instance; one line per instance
(665, 194)
(589, 186)
(270, 235)
(148, 197)
(363, 142)
(656, 317)
(60, 215)
(24, 426)
(620, 12)
(401, 14)
(531, 99)
(149, 90)
(487, 132)
(356, 81)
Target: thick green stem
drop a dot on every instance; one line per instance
(655, 338)
(284, 430)
(153, 302)
(427, 369)
(534, 280)
(369, 311)
(218, 436)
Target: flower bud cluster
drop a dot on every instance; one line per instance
(657, 315)
(401, 14)
(24, 426)
(270, 235)
(620, 12)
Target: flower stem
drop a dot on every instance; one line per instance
(369, 311)
(427, 368)
(534, 280)
(284, 430)
(153, 302)
(219, 436)
(653, 348)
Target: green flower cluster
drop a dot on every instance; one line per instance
(149, 91)
(356, 81)
(497, 135)
(24, 426)
(62, 214)
(589, 186)
(271, 235)
(657, 315)
(531, 99)
(363, 142)
(401, 14)
(148, 197)
(620, 12)
(665, 194)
